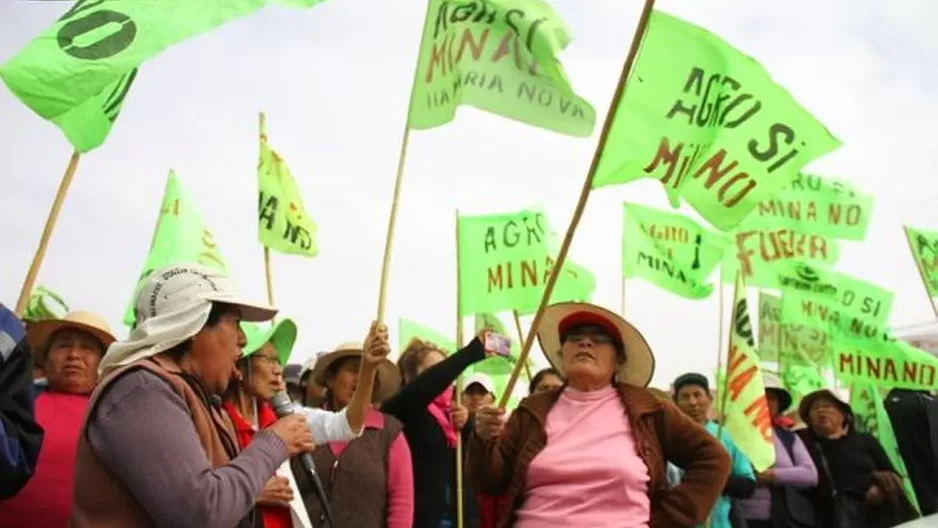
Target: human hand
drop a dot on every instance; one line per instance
(484, 336)
(765, 477)
(277, 492)
(375, 348)
(294, 431)
(489, 422)
(460, 416)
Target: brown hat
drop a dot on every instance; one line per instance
(826, 394)
(388, 377)
(38, 333)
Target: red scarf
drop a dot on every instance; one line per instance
(440, 408)
(274, 516)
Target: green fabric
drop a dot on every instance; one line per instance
(282, 335)
(709, 123)
(762, 253)
(78, 72)
(180, 236)
(283, 224)
(884, 363)
(45, 304)
(786, 343)
(500, 56)
(408, 330)
(871, 417)
(924, 246)
(825, 206)
(670, 251)
(801, 381)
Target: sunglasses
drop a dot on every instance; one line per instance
(596, 334)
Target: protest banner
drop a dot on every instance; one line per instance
(885, 363)
(500, 56)
(670, 251)
(827, 207)
(744, 408)
(789, 344)
(709, 123)
(759, 252)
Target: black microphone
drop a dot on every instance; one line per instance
(283, 406)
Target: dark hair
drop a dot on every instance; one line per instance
(214, 317)
(410, 360)
(536, 380)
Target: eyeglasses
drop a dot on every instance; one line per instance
(594, 333)
(270, 360)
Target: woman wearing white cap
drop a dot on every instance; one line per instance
(593, 453)
(156, 448)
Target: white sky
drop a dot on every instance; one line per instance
(334, 81)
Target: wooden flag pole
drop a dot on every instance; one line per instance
(398, 181)
(33, 272)
(527, 368)
(262, 127)
(458, 396)
(581, 203)
(921, 272)
(726, 377)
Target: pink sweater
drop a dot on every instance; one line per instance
(400, 476)
(590, 472)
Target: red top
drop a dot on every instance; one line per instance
(274, 516)
(46, 500)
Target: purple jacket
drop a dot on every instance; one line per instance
(799, 473)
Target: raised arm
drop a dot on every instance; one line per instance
(143, 434)
(417, 395)
(706, 469)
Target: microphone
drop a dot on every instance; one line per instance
(283, 406)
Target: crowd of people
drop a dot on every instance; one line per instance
(177, 425)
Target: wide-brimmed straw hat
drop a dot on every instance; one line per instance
(774, 384)
(388, 376)
(281, 335)
(639, 366)
(39, 333)
(826, 394)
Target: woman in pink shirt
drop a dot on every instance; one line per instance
(593, 453)
(369, 480)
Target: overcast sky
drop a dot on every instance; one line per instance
(334, 82)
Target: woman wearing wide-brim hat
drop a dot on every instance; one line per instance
(856, 480)
(778, 501)
(370, 478)
(594, 452)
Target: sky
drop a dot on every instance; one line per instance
(334, 82)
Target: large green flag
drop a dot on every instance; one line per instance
(870, 416)
(826, 207)
(924, 245)
(709, 123)
(283, 224)
(77, 73)
(180, 236)
(670, 251)
(885, 363)
(760, 254)
(500, 56)
(408, 330)
(786, 343)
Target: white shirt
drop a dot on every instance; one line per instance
(328, 426)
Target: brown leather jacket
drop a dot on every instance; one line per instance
(662, 432)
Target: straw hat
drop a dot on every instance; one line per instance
(389, 378)
(639, 365)
(39, 333)
(282, 335)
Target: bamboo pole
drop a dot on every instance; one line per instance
(527, 368)
(581, 203)
(458, 397)
(921, 271)
(398, 182)
(268, 274)
(40, 254)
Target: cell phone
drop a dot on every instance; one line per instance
(500, 344)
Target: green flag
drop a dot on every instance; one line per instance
(45, 304)
(870, 416)
(826, 207)
(924, 245)
(500, 56)
(283, 224)
(801, 381)
(77, 73)
(709, 123)
(787, 343)
(180, 236)
(576, 283)
(670, 251)
(408, 330)
(885, 363)
(761, 254)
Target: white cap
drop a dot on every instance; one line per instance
(172, 305)
(481, 379)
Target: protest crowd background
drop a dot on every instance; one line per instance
(522, 388)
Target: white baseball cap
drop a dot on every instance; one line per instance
(482, 379)
(172, 305)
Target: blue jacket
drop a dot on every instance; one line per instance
(20, 435)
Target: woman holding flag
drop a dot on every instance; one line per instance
(593, 453)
